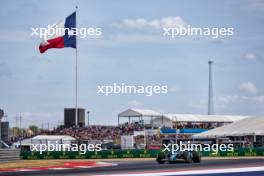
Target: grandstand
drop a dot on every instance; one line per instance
(183, 126)
(157, 119)
(168, 120)
(148, 128)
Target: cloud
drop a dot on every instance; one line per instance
(248, 87)
(252, 98)
(173, 89)
(135, 37)
(225, 100)
(250, 57)
(142, 30)
(157, 24)
(135, 103)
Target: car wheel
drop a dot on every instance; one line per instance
(196, 157)
(187, 156)
(189, 159)
(161, 161)
(161, 158)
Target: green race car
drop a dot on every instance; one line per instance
(175, 156)
(187, 156)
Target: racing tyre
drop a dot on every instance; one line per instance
(196, 157)
(161, 158)
(187, 156)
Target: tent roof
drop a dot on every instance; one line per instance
(29, 141)
(23, 142)
(139, 112)
(248, 126)
(203, 118)
(54, 137)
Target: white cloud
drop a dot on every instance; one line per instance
(142, 30)
(173, 89)
(248, 87)
(142, 23)
(136, 38)
(224, 100)
(135, 103)
(250, 56)
(228, 99)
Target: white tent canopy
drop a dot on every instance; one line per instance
(139, 113)
(168, 119)
(24, 142)
(159, 119)
(248, 126)
(54, 138)
(43, 139)
(162, 121)
(204, 118)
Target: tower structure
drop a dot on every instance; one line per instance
(210, 91)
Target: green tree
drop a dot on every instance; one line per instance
(33, 128)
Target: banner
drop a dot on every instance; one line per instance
(133, 153)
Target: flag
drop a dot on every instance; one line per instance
(60, 35)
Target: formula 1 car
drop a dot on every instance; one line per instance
(187, 156)
(176, 156)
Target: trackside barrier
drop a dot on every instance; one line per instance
(7, 155)
(258, 151)
(132, 154)
(91, 155)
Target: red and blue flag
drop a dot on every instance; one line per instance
(61, 35)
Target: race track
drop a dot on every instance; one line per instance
(150, 166)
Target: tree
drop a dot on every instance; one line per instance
(33, 128)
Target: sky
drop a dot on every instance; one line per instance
(39, 86)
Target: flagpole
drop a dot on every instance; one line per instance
(76, 77)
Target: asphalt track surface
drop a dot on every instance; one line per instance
(133, 167)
